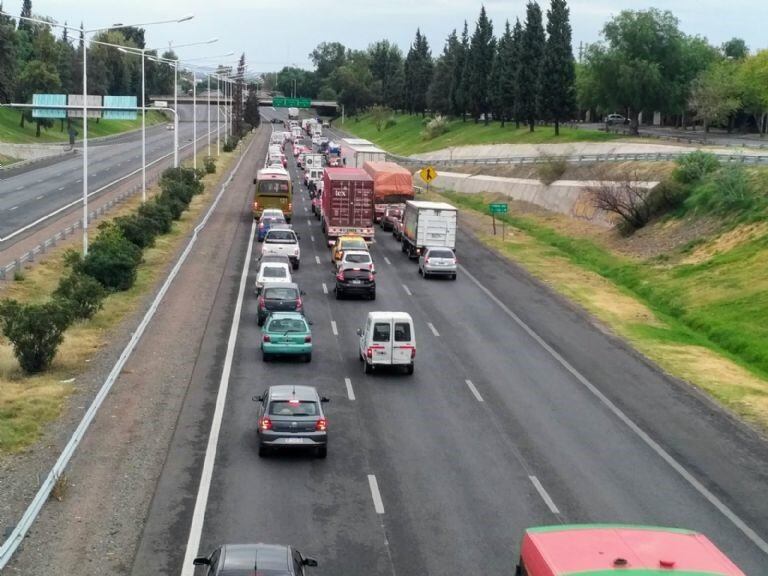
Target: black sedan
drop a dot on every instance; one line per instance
(355, 282)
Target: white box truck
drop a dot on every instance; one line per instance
(426, 224)
(355, 152)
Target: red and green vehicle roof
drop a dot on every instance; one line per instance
(611, 549)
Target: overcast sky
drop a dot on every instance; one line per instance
(274, 33)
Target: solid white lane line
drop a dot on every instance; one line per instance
(40, 197)
(378, 504)
(433, 329)
(334, 328)
(387, 261)
(642, 434)
(350, 391)
(12, 209)
(19, 188)
(312, 237)
(474, 390)
(317, 259)
(306, 209)
(309, 222)
(325, 288)
(544, 495)
(61, 188)
(407, 290)
(79, 180)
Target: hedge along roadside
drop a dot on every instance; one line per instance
(17, 535)
(37, 330)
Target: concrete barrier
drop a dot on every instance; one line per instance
(571, 197)
(33, 151)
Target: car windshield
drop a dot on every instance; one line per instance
(293, 408)
(274, 272)
(278, 293)
(281, 237)
(440, 254)
(358, 258)
(287, 325)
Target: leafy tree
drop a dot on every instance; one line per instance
(252, 114)
(482, 48)
(26, 12)
(82, 295)
(458, 89)
(38, 77)
(328, 57)
(327, 93)
(439, 93)
(118, 67)
(495, 96)
(529, 71)
(418, 74)
(715, 95)
(66, 56)
(355, 81)
(735, 48)
(504, 75)
(515, 55)
(8, 58)
(387, 69)
(753, 75)
(35, 330)
(558, 92)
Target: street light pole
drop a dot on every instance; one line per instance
(208, 115)
(194, 120)
(218, 116)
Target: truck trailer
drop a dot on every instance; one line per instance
(428, 224)
(355, 152)
(392, 184)
(347, 203)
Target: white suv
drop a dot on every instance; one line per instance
(282, 241)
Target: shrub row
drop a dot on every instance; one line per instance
(36, 330)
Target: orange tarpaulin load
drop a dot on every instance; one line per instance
(391, 182)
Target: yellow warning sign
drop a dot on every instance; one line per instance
(428, 174)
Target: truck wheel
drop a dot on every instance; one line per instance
(295, 265)
(368, 368)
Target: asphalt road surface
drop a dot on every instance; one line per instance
(521, 412)
(30, 194)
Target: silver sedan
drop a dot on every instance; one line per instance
(438, 262)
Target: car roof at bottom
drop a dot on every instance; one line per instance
(289, 391)
(246, 557)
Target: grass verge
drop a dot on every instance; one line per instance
(29, 403)
(405, 136)
(704, 319)
(12, 132)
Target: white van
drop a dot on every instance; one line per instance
(387, 339)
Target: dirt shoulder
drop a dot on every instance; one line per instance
(112, 477)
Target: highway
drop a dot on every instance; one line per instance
(29, 194)
(521, 412)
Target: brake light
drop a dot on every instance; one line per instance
(298, 303)
(321, 425)
(290, 206)
(255, 205)
(426, 260)
(413, 353)
(265, 423)
(340, 276)
(261, 224)
(265, 338)
(370, 276)
(369, 352)
(262, 301)
(307, 339)
(293, 402)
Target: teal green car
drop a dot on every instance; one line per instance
(286, 334)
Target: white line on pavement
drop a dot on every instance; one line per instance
(387, 261)
(642, 434)
(61, 188)
(12, 209)
(433, 329)
(317, 259)
(19, 188)
(378, 504)
(40, 181)
(474, 390)
(312, 237)
(79, 180)
(334, 328)
(350, 391)
(40, 197)
(309, 222)
(544, 495)
(306, 209)
(325, 288)
(407, 290)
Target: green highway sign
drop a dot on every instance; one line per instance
(498, 208)
(291, 102)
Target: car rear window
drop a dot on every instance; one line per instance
(440, 254)
(274, 272)
(281, 237)
(287, 325)
(292, 408)
(272, 220)
(351, 274)
(358, 258)
(402, 332)
(279, 293)
(381, 332)
(351, 244)
(395, 212)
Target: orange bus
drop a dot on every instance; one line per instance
(273, 190)
(608, 549)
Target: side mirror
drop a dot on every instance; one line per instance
(258, 398)
(325, 399)
(359, 331)
(309, 562)
(202, 561)
(254, 180)
(310, 322)
(302, 292)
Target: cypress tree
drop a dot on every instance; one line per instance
(482, 49)
(26, 12)
(506, 74)
(515, 51)
(439, 94)
(531, 60)
(458, 84)
(8, 59)
(558, 95)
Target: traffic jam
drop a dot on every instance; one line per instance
(359, 201)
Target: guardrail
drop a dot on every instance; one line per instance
(578, 158)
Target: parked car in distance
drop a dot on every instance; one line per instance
(438, 262)
(612, 119)
(356, 259)
(387, 339)
(291, 416)
(248, 559)
(282, 241)
(286, 334)
(281, 297)
(391, 213)
(347, 242)
(355, 282)
(273, 273)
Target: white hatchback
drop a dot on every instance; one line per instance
(356, 259)
(273, 273)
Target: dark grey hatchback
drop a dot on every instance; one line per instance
(250, 559)
(292, 417)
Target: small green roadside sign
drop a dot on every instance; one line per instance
(498, 208)
(279, 102)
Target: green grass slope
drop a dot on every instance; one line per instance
(11, 132)
(405, 136)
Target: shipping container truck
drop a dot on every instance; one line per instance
(392, 184)
(347, 203)
(355, 152)
(430, 224)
